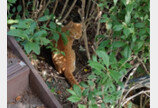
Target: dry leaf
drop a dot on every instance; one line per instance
(59, 92)
(18, 98)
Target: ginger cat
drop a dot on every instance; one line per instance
(66, 64)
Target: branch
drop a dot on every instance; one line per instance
(44, 8)
(140, 60)
(56, 4)
(84, 29)
(133, 71)
(88, 7)
(131, 97)
(98, 25)
(23, 9)
(74, 2)
(66, 2)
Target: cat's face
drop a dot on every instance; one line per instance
(75, 30)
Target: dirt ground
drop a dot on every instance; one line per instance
(26, 100)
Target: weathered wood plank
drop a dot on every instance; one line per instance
(36, 82)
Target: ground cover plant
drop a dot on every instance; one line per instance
(115, 40)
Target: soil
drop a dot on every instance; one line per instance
(26, 100)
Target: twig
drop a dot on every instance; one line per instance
(146, 101)
(126, 61)
(143, 66)
(84, 29)
(147, 95)
(93, 5)
(23, 9)
(56, 4)
(88, 7)
(133, 71)
(141, 105)
(132, 88)
(98, 25)
(131, 97)
(74, 2)
(94, 50)
(33, 7)
(65, 4)
(44, 8)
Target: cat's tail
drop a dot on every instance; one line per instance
(70, 77)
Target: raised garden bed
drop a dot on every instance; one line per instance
(35, 81)
(42, 69)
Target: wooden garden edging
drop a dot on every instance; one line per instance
(36, 82)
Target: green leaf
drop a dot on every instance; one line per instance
(91, 77)
(13, 10)
(127, 52)
(17, 33)
(81, 106)
(93, 106)
(99, 36)
(96, 65)
(115, 75)
(103, 105)
(71, 91)
(11, 21)
(124, 2)
(64, 38)
(140, 44)
(44, 18)
(46, 12)
(40, 33)
(117, 27)
(104, 56)
(55, 36)
(103, 20)
(118, 44)
(74, 98)
(108, 25)
(11, 1)
(90, 83)
(44, 41)
(139, 25)
(86, 92)
(52, 25)
(33, 27)
(19, 8)
(30, 46)
(53, 90)
(115, 1)
(84, 84)
(77, 90)
(130, 105)
(129, 8)
(126, 31)
(104, 44)
(127, 18)
(27, 47)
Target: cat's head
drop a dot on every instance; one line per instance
(75, 30)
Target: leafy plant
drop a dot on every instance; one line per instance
(32, 32)
(28, 34)
(126, 38)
